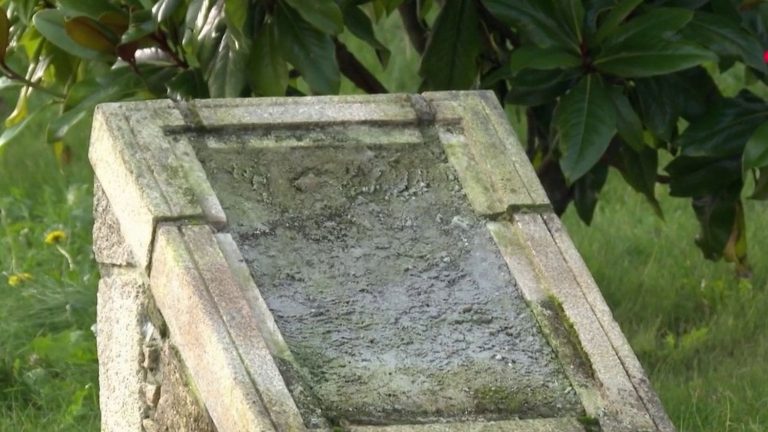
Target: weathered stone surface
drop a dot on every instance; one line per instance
(121, 305)
(109, 248)
(146, 176)
(202, 338)
(177, 407)
(401, 244)
(385, 284)
(544, 425)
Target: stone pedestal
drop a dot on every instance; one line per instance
(367, 263)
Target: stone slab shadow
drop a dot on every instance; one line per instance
(358, 263)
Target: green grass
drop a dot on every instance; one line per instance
(699, 331)
(48, 373)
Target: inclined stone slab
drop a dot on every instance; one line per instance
(368, 263)
(390, 293)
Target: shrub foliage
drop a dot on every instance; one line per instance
(604, 83)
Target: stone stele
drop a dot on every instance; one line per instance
(362, 263)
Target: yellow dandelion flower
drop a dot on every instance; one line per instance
(17, 279)
(55, 236)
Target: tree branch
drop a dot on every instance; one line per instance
(356, 72)
(415, 27)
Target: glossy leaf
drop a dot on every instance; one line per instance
(88, 33)
(724, 130)
(309, 50)
(641, 60)
(693, 176)
(659, 105)
(534, 21)
(654, 26)
(586, 121)
(164, 9)
(570, 14)
(90, 8)
(50, 23)
(639, 169)
(717, 214)
(756, 151)
(586, 191)
(541, 59)
(189, 84)
(268, 73)
(360, 25)
(615, 17)
(727, 39)
(531, 87)
(628, 122)
(323, 15)
(227, 76)
(449, 61)
(235, 14)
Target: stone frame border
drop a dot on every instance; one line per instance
(170, 218)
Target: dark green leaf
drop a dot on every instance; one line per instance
(268, 73)
(694, 176)
(359, 24)
(617, 15)
(660, 104)
(235, 14)
(726, 38)
(324, 15)
(654, 26)
(639, 169)
(586, 121)
(531, 87)
(189, 84)
(640, 60)
(90, 8)
(450, 60)
(628, 122)
(227, 76)
(717, 214)
(309, 50)
(724, 130)
(534, 20)
(570, 14)
(50, 23)
(698, 92)
(586, 191)
(531, 57)
(756, 151)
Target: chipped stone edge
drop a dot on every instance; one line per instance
(143, 192)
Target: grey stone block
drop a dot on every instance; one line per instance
(313, 174)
